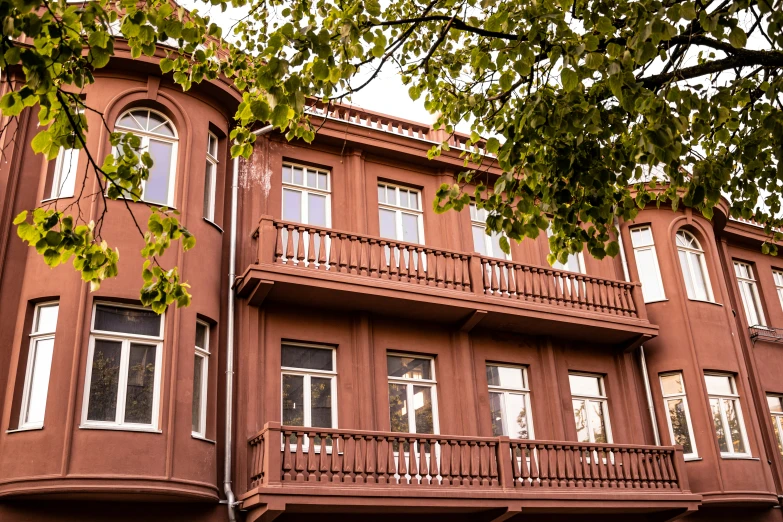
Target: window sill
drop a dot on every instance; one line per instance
(26, 428)
(220, 229)
(692, 459)
(49, 200)
(732, 456)
(705, 302)
(199, 437)
(656, 301)
(118, 428)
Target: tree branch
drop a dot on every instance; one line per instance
(741, 58)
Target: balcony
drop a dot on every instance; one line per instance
(301, 264)
(343, 471)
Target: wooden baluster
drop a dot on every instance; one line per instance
(589, 291)
(611, 464)
(391, 462)
(519, 467)
(535, 456)
(648, 471)
(413, 466)
(465, 462)
(382, 460)
(485, 276)
(634, 468)
(466, 273)
(343, 259)
(594, 466)
(483, 467)
(403, 263)
(456, 463)
(359, 450)
(656, 473)
(431, 266)
(445, 463)
(421, 273)
(300, 246)
(299, 462)
(676, 483)
(402, 469)
(543, 465)
(412, 275)
(457, 271)
(278, 243)
(502, 272)
(474, 463)
(449, 281)
(661, 462)
(393, 271)
(440, 269)
(383, 271)
(423, 468)
(568, 455)
(370, 452)
(524, 290)
(602, 463)
(577, 454)
(494, 472)
(373, 247)
(348, 455)
(584, 455)
(289, 246)
(493, 277)
(353, 255)
(619, 464)
(364, 264)
(434, 449)
(287, 457)
(322, 250)
(334, 251)
(567, 290)
(310, 258)
(323, 459)
(602, 293)
(337, 443)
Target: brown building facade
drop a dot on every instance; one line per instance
(387, 361)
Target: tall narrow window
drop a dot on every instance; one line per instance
(412, 394)
(726, 414)
(200, 379)
(308, 386)
(574, 263)
(647, 264)
(488, 245)
(306, 195)
(159, 138)
(678, 414)
(210, 177)
(122, 388)
(694, 267)
(400, 213)
(749, 292)
(65, 171)
(775, 403)
(591, 414)
(777, 277)
(509, 401)
(39, 364)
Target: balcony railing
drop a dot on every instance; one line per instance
(766, 333)
(280, 455)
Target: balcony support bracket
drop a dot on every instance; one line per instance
(509, 512)
(266, 513)
(472, 320)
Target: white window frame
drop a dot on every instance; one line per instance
(523, 392)
(694, 455)
(305, 190)
(32, 353)
(749, 293)
(477, 223)
(432, 384)
(777, 421)
(122, 384)
(594, 398)
(638, 247)
(145, 142)
(203, 353)
(210, 180)
(777, 278)
(64, 169)
(307, 374)
(400, 210)
(724, 420)
(689, 270)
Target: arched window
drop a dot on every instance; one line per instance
(694, 267)
(159, 138)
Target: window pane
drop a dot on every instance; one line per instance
(47, 319)
(292, 205)
(322, 181)
(584, 385)
(580, 418)
(735, 428)
(39, 381)
(672, 384)
(293, 400)
(641, 236)
(398, 408)
(316, 211)
(649, 275)
(597, 422)
(686, 273)
(198, 369)
(312, 179)
(201, 335)
(776, 427)
(422, 404)
(496, 250)
(719, 432)
(505, 377)
(321, 402)
(381, 194)
(136, 321)
(159, 125)
(287, 175)
(104, 380)
(209, 191)
(410, 228)
(516, 407)
(156, 188)
(496, 413)
(391, 196)
(680, 431)
(298, 176)
(130, 122)
(388, 224)
(774, 404)
(413, 200)
(718, 384)
(404, 198)
(479, 244)
(141, 383)
(212, 145)
(65, 178)
(409, 367)
(699, 282)
(307, 358)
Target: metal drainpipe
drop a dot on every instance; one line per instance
(650, 407)
(231, 501)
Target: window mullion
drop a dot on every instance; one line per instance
(398, 223)
(411, 415)
(306, 399)
(122, 381)
(725, 421)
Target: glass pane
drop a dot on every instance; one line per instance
(298, 176)
(597, 422)
(649, 275)
(104, 381)
(129, 122)
(47, 318)
(322, 181)
(699, 282)
(672, 384)
(65, 178)
(391, 196)
(388, 224)
(776, 427)
(409, 367)
(159, 124)
(496, 250)
(39, 381)
(410, 228)
(584, 385)
(141, 383)
(718, 384)
(212, 145)
(293, 400)
(686, 273)
(735, 428)
(641, 236)
(679, 419)
(381, 194)
(136, 321)
(202, 331)
(516, 406)
(774, 403)
(719, 432)
(496, 413)
(404, 198)
(287, 176)
(321, 402)
(292, 205)
(422, 406)
(413, 200)
(505, 377)
(209, 191)
(156, 188)
(312, 178)
(307, 358)
(580, 418)
(316, 211)
(398, 408)
(479, 244)
(473, 214)
(198, 369)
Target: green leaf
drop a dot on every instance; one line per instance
(570, 79)
(738, 38)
